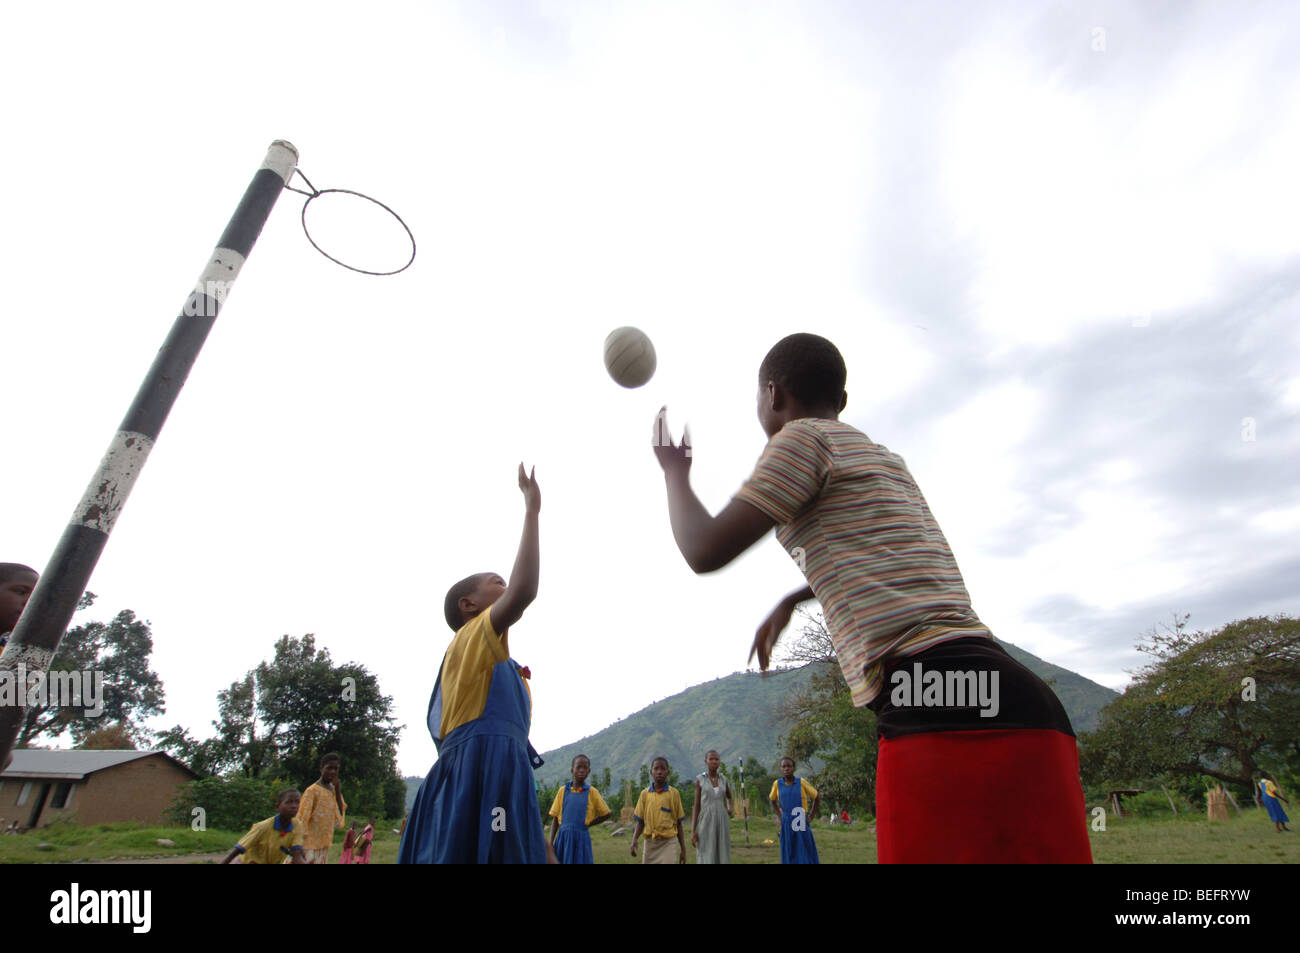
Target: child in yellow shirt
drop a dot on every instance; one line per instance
(276, 840)
(659, 814)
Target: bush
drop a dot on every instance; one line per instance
(1152, 804)
(231, 804)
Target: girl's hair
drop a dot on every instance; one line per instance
(9, 570)
(808, 366)
(574, 762)
(279, 798)
(657, 758)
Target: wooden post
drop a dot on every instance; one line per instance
(1232, 799)
(1171, 800)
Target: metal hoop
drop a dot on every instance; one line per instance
(316, 193)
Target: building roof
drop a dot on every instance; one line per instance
(63, 765)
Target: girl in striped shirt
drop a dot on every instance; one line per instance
(954, 711)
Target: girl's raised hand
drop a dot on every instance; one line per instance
(769, 632)
(672, 457)
(528, 486)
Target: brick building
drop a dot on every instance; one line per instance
(90, 787)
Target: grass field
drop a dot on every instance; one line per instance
(1187, 839)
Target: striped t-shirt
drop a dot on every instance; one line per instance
(850, 512)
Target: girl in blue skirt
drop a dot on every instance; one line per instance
(478, 805)
(577, 806)
(796, 801)
(1271, 798)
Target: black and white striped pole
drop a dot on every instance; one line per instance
(35, 639)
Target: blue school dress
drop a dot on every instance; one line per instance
(797, 846)
(479, 804)
(572, 841)
(1272, 804)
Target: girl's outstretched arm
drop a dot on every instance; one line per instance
(772, 627)
(522, 587)
(706, 542)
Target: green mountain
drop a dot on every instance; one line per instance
(735, 715)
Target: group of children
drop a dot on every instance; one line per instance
(892, 596)
(659, 812)
(302, 828)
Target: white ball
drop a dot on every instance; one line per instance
(629, 357)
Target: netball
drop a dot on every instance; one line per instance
(629, 357)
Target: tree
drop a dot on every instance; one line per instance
(285, 714)
(116, 656)
(1218, 704)
(310, 707)
(394, 797)
(110, 738)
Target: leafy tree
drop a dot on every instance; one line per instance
(310, 707)
(200, 756)
(286, 713)
(394, 797)
(1218, 704)
(131, 692)
(110, 738)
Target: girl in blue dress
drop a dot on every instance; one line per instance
(1272, 798)
(478, 805)
(797, 802)
(577, 806)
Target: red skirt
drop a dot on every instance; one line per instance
(980, 797)
(976, 783)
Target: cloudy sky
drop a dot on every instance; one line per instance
(1055, 242)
